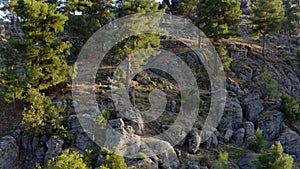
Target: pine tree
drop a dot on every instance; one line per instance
(267, 16)
(137, 42)
(219, 17)
(42, 52)
(276, 160)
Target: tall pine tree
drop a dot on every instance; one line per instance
(267, 16)
(42, 52)
(219, 17)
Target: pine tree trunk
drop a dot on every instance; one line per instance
(264, 44)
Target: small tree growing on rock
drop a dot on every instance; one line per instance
(267, 17)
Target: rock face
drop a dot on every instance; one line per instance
(232, 117)
(270, 123)
(9, 152)
(249, 161)
(290, 141)
(253, 106)
(194, 141)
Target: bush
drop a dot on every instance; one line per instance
(141, 156)
(67, 160)
(258, 144)
(276, 160)
(44, 118)
(270, 83)
(290, 107)
(112, 160)
(226, 60)
(222, 162)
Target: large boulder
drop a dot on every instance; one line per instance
(253, 106)
(270, 122)
(9, 152)
(249, 161)
(130, 146)
(232, 117)
(290, 141)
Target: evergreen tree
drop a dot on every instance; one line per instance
(189, 8)
(276, 160)
(136, 42)
(267, 16)
(292, 17)
(219, 17)
(42, 52)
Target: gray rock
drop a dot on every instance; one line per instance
(192, 166)
(145, 163)
(249, 129)
(290, 141)
(243, 71)
(83, 141)
(116, 123)
(234, 87)
(54, 147)
(253, 106)
(239, 136)
(9, 152)
(194, 141)
(270, 123)
(232, 117)
(249, 161)
(228, 135)
(211, 141)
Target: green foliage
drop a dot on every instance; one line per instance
(258, 143)
(41, 51)
(271, 84)
(188, 8)
(103, 117)
(41, 113)
(226, 60)
(67, 160)
(112, 160)
(290, 107)
(222, 162)
(292, 17)
(141, 156)
(11, 87)
(276, 160)
(219, 17)
(267, 16)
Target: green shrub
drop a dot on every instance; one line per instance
(290, 107)
(112, 160)
(67, 160)
(222, 162)
(270, 83)
(226, 60)
(276, 159)
(258, 143)
(141, 156)
(103, 117)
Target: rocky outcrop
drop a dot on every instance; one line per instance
(270, 123)
(249, 161)
(253, 106)
(290, 141)
(194, 141)
(9, 152)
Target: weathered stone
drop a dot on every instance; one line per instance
(83, 141)
(234, 87)
(228, 135)
(116, 123)
(270, 123)
(232, 117)
(9, 152)
(54, 147)
(249, 129)
(253, 106)
(290, 141)
(249, 161)
(239, 136)
(194, 141)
